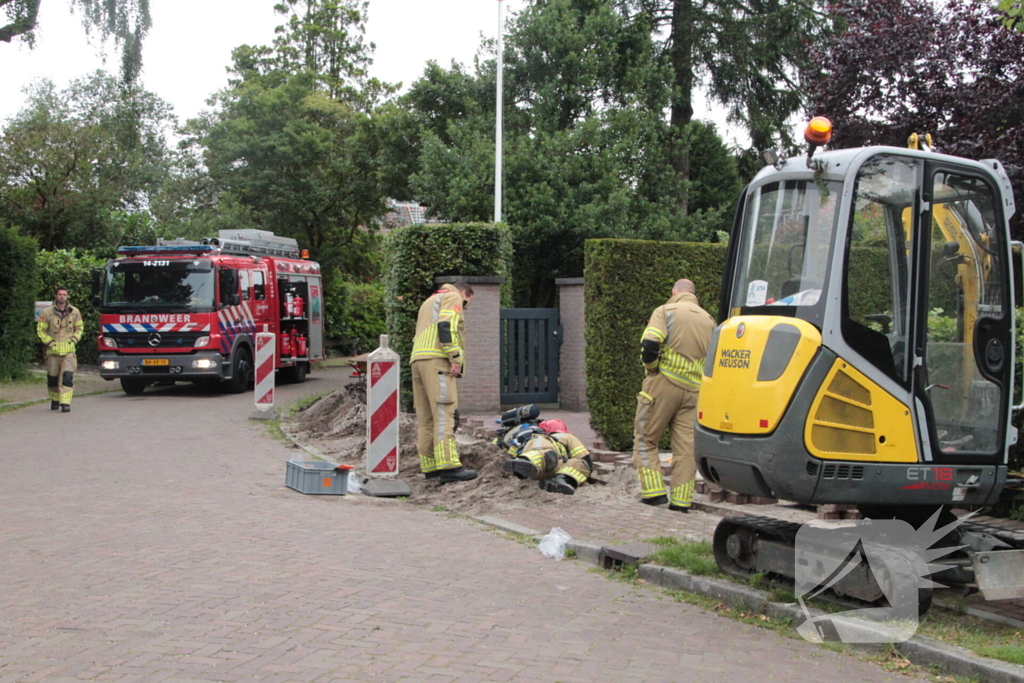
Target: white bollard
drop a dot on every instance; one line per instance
(382, 369)
(265, 370)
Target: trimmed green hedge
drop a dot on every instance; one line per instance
(415, 255)
(19, 280)
(355, 316)
(625, 281)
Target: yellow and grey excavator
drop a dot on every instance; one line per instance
(866, 352)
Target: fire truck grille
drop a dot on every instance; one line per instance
(142, 340)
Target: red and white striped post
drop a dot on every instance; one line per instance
(382, 407)
(265, 346)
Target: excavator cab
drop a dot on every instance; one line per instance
(866, 350)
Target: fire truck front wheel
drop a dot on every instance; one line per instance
(297, 373)
(242, 373)
(133, 386)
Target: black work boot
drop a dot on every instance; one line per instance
(657, 500)
(679, 508)
(65, 408)
(521, 467)
(54, 405)
(558, 484)
(457, 474)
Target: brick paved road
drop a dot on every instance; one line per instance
(151, 539)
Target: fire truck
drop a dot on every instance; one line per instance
(188, 310)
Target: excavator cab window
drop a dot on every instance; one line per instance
(782, 262)
(876, 294)
(965, 355)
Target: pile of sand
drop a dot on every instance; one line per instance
(336, 426)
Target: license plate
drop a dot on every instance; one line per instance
(156, 361)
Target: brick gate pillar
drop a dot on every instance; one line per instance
(572, 367)
(479, 390)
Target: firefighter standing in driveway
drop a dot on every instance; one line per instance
(438, 358)
(673, 347)
(60, 328)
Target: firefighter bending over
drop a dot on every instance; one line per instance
(60, 328)
(438, 358)
(549, 453)
(673, 347)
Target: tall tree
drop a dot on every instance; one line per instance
(324, 38)
(585, 140)
(292, 147)
(126, 21)
(74, 162)
(747, 55)
(906, 66)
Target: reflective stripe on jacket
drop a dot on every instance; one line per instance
(683, 329)
(61, 331)
(442, 306)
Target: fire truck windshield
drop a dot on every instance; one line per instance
(155, 284)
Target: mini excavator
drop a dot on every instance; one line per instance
(866, 355)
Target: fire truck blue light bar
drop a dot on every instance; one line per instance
(168, 249)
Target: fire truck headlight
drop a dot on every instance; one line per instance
(109, 343)
(110, 365)
(204, 364)
(202, 341)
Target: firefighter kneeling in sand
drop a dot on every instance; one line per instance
(549, 453)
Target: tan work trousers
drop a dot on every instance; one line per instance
(663, 404)
(60, 376)
(435, 399)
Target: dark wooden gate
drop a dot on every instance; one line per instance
(529, 355)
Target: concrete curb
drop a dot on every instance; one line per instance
(918, 649)
(37, 401)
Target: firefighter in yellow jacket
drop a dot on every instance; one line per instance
(673, 347)
(438, 358)
(550, 454)
(60, 329)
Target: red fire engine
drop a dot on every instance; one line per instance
(186, 310)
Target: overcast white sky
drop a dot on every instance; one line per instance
(190, 45)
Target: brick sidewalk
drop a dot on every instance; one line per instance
(151, 540)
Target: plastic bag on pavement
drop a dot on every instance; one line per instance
(553, 544)
(355, 482)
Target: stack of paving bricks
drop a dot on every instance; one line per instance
(716, 495)
(838, 512)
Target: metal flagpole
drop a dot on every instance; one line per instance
(497, 126)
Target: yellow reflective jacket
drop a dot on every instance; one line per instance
(60, 331)
(443, 306)
(684, 330)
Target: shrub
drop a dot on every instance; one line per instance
(415, 255)
(355, 315)
(19, 280)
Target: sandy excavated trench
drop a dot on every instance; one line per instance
(336, 426)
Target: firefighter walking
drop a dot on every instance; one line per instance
(60, 329)
(673, 347)
(550, 454)
(438, 359)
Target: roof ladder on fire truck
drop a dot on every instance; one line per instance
(257, 242)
